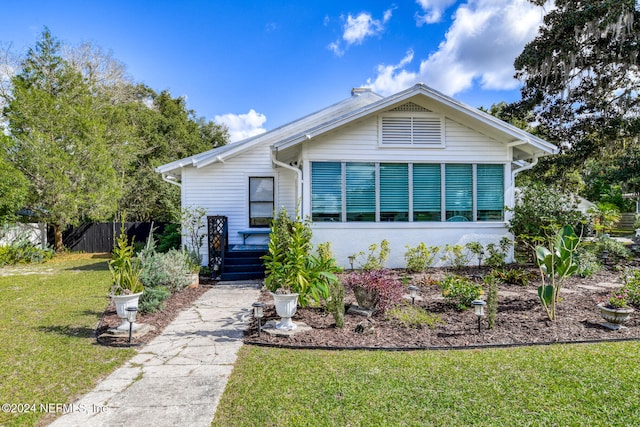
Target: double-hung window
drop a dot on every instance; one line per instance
(326, 196)
(261, 201)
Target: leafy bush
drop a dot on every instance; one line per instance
(456, 256)
(382, 286)
(377, 257)
(335, 302)
(492, 300)
(22, 251)
(588, 264)
(632, 286)
(538, 207)
(497, 254)
(290, 266)
(153, 299)
(413, 316)
(615, 249)
(169, 238)
(460, 291)
(513, 276)
(421, 257)
(175, 264)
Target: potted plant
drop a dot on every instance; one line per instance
(126, 271)
(615, 309)
(292, 274)
(192, 261)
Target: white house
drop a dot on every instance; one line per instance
(416, 166)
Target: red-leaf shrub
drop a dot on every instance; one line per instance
(386, 288)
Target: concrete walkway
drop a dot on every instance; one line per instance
(178, 378)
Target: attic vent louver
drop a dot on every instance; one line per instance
(411, 107)
(411, 129)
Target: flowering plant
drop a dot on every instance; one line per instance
(617, 299)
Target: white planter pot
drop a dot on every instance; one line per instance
(194, 280)
(286, 306)
(615, 317)
(123, 302)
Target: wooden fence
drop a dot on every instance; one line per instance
(100, 236)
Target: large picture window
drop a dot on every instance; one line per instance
(261, 201)
(403, 192)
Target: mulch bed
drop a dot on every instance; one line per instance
(521, 319)
(176, 303)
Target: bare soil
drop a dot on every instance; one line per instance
(521, 319)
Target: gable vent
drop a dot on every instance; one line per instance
(411, 107)
(411, 129)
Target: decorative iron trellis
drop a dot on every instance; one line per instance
(218, 242)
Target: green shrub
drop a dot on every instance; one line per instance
(413, 316)
(632, 286)
(376, 259)
(335, 302)
(420, 258)
(22, 251)
(513, 276)
(456, 256)
(153, 299)
(538, 207)
(615, 249)
(497, 254)
(175, 264)
(588, 264)
(150, 260)
(169, 238)
(460, 291)
(492, 300)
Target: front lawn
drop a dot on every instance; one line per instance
(563, 385)
(48, 314)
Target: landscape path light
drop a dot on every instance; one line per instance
(480, 256)
(131, 318)
(258, 313)
(478, 310)
(413, 293)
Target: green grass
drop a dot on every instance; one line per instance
(559, 385)
(47, 349)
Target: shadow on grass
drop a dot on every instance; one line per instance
(96, 266)
(69, 331)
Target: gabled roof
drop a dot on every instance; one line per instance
(361, 104)
(356, 101)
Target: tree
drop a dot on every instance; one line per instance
(57, 139)
(162, 129)
(13, 191)
(581, 78)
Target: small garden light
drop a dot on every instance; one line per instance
(605, 257)
(258, 312)
(131, 318)
(216, 270)
(352, 258)
(413, 293)
(478, 310)
(480, 256)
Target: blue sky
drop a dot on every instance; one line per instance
(256, 65)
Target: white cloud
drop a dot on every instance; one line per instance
(243, 126)
(480, 46)
(358, 28)
(433, 10)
